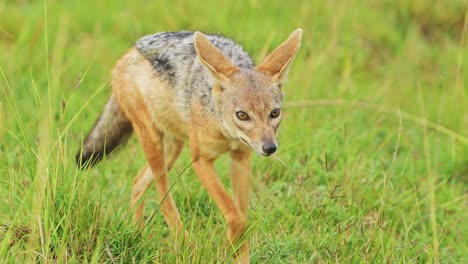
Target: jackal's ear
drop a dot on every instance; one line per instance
(213, 58)
(276, 64)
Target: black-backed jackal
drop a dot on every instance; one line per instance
(175, 86)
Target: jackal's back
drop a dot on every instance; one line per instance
(173, 55)
(174, 59)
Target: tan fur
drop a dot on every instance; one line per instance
(162, 127)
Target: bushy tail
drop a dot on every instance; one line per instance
(111, 130)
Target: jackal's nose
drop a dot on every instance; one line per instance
(269, 148)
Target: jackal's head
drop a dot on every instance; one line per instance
(249, 101)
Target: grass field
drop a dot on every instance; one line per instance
(372, 165)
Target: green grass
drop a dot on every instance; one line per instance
(373, 144)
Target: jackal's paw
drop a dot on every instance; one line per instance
(237, 229)
(239, 256)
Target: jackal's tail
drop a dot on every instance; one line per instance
(111, 130)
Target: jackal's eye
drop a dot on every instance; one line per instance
(242, 115)
(275, 113)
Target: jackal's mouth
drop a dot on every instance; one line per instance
(248, 144)
(245, 141)
(259, 152)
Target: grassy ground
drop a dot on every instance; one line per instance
(373, 143)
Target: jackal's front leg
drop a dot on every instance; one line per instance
(236, 220)
(240, 179)
(152, 143)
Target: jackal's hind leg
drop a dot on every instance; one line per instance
(141, 183)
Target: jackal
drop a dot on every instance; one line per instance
(174, 86)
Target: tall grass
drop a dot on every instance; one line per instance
(372, 164)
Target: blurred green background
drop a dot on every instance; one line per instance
(372, 165)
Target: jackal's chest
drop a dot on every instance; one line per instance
(213, 148)
(210, 141)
